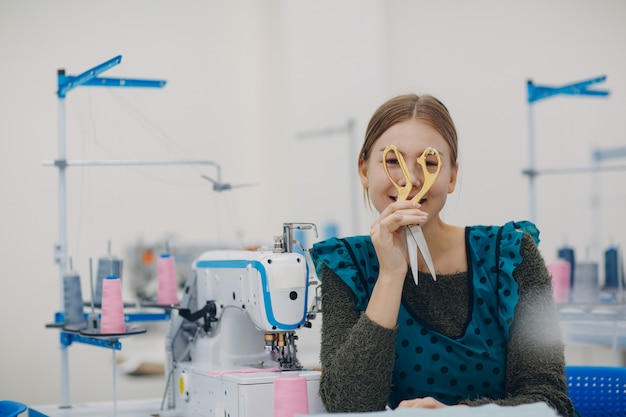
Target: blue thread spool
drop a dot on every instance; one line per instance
(611, 272)
(568, 254)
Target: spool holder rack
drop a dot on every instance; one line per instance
(65, 84)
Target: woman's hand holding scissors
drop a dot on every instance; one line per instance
(388, 233)
(389, 237)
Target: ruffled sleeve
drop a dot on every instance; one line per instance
(511, 242)
(353, 260)
(510, 257)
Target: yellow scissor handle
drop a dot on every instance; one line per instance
(429, 177)
(403, 191)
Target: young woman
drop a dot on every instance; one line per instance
(485, 331)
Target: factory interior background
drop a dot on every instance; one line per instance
(276, 95)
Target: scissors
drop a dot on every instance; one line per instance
(430, 162)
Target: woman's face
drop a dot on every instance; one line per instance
(411, 137)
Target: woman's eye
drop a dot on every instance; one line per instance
(391, 161)
(432, 161)
(432, 164)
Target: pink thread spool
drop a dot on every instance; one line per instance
(167, 292)
(561, 271)
(112, 320)
(290, 396)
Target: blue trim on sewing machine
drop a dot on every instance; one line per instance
(242, 264)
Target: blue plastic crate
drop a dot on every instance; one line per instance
(597, 391)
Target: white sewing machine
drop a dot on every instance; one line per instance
(235, 332)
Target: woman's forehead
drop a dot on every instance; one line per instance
(411, 136)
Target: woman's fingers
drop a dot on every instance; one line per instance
(401, 214)
(426, 402)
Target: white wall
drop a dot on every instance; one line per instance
(246, 81)
(478, 59)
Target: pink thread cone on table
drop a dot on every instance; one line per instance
(112, 320)
(167, 292)
(290, 396)
(561, 276)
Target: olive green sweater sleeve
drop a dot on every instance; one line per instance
(357, 355)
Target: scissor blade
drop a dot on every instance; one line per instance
(420, 240)
(411, 244)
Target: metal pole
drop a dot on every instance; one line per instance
(595, 196)
(531, 165)
(61, 250)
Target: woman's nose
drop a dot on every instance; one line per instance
(415, 170)
(402, 180)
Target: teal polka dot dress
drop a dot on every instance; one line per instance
(429, 363)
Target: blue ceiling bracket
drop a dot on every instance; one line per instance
(90, 78)
(536, 92)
